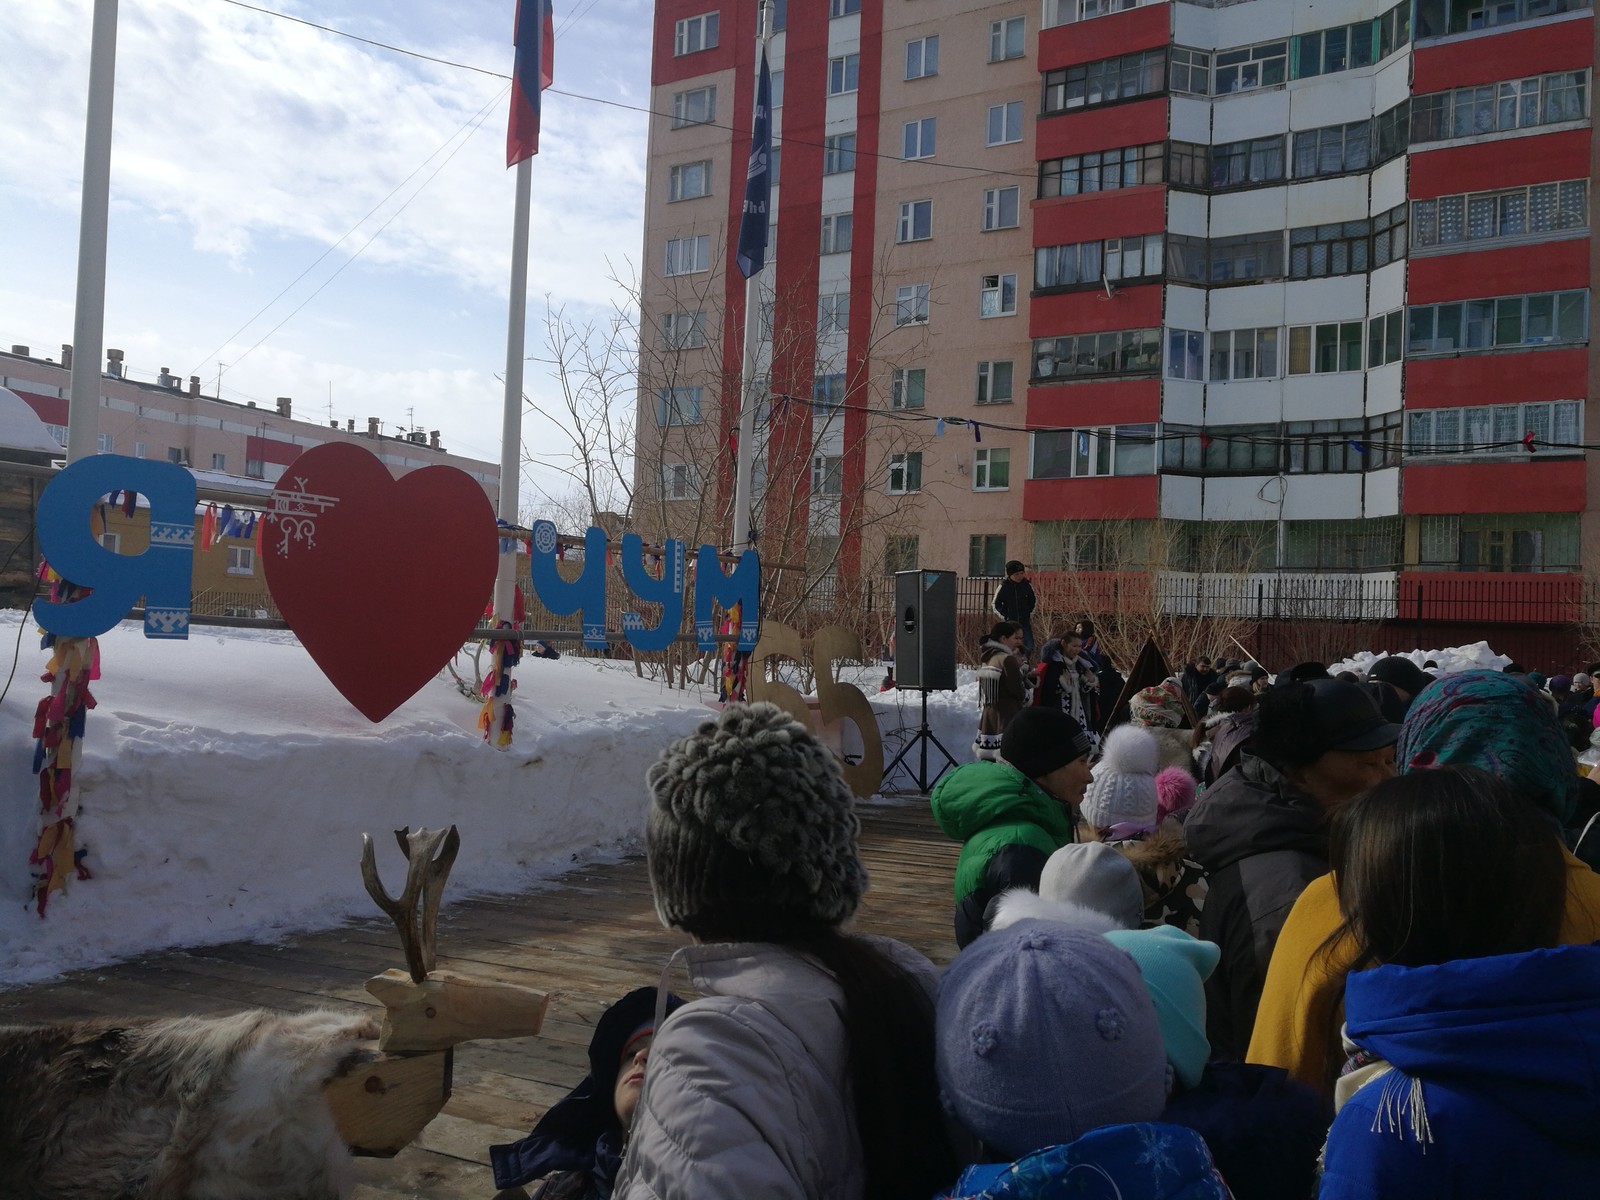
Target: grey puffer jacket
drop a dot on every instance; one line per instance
(747, 1092)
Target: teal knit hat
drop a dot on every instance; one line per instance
(1175, 967)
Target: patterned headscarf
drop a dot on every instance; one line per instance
(1158, 705)
(1498, 723)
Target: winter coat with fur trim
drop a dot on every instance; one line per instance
(748, 1089)
(1001, 691)
(1175, 886)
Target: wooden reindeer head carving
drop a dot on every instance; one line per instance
(429, 856)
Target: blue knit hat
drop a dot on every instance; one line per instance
(1175, 967)
(1044, 1033)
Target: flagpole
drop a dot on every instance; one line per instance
(505, 580)
(744, 455)
(89, 318)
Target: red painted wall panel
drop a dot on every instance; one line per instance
(1450, 488)
(1514, 271)
(52, 410)
(1061, 221)
(1091, 312)
(1136, 123)
(1512, 54)
(1090, 499)
(272, 450)
(1077, 405)
(1496, 378)
(736, 37)
(1118, 33)
(1507, 163)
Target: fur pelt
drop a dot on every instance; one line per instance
(1020, 904)
(185, 1108)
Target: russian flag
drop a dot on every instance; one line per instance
(535, 39)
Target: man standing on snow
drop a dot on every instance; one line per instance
(1014, 601)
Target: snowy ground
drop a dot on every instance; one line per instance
(226, 787)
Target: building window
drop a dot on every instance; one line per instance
(991, 469)
(1341, 447)
(679, 481)
(1090, 453)
(997, 295)
(1191, 71)
(908, 387)
(59, 432)
(688, 255)
(1093, 263)
(138, 448)
(844, 74)
(994, 382)
(1347, 247)
(255, 468)
(1508, 215)
(1006, 38)
(777, 89)
(911, 304)
(1547, 318)
(1333, 149)
(1000, 208)
(900, 553)
(1101, 171)
(1186, 354)
(111, 542)
(678, 406)
(683, 331)
(836, 229)
(916, 221)
(1496, 107)
(1346, 47)
(827, 391)
(1244, 354)
(241, 560)
(178, 455)
(689, 181)
(1500, 542)
(105, 443)
(1243, 164)
(1105, 81)
(1385, 340)
(219, 462)
(1239, 259)
(695, 33)
(1005, 123)
(1341, 545)
(1249, 67)
(1118, 352)
(1325, 349)
(694, 107)
(827, 475)
(833, 314)
(1496, 430)
(922, 57)
(838, 153)
(843, 8)
(986, 554)
(1437, 18)
(918, 138)
(905, 473)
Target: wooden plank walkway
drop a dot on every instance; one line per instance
(588, 937)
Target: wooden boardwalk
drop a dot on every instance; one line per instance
(588, 937)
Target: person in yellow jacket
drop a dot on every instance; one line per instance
(1476, 718)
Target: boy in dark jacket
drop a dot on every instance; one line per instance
(1014, 601)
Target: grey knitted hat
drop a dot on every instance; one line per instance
(752, 831)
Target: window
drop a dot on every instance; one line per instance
(1366, 545)
(1105, 81)
(991, 469)
(986, 554)
(1333, 150)
(994, 382)
(843, 8)
(1547, 318)
(905, 473)
(900, 553)
(777, 89)
(1436, 18)
(1101, 171)
(1324, 349)
(678, 406)
(1496, 107)
(911, 304)
(916, 221)
(1005, 123)
(1185, 354)
(219, 462)
(241, 560)
(111, 542)
(1512, 214)
(177, 454)
(844, 74)
(1241, 164)
(1246, 257)
(1221, 450)
(1346, 47)
(838, 153)
(1496, 430)
(683, 331)
(833, 314)
(1006, 38)
(827, 475)
(679, 481)
(1191, 71)
(1000, 206)
(828, 390)
(1249, 68)
(695, 33)
(908, 387)
(694, 107)
(773, 163)
(836, 233)
(1125, 351)
(1341, 447)
(1090, 264)
(59, 432)
(997, 296)
(1089, 453)
(918, 139)
(138, 447)
(922, 57)
(105, 443)
(686, 256)
(1500, 542)
(1244, 354)
(1189, 164)
(1384, 344)
(1347, 247)
(689, 181)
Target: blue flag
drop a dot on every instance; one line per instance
(752, 254)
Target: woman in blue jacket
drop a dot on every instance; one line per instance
(1474, 1039)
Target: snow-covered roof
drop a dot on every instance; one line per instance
(21, 428)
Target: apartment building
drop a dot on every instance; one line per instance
(1261, 288)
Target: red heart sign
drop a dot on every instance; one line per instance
(381, 579)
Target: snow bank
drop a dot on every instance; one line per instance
(1450, 660)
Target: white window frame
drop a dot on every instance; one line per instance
(987, 372)
(919, 139)
(916, 221)
(1008, 39)
(694, 34)
(680, 481)
(997, 295)
(911, 304)
(833, 314)
(1004, 124)
(682, 176)
(839, 153)
(241, 560)
(681, 106)
(827, 475)
(926, 57)
(994, 208)
(905, 473)
(1228, 342)
(1474, 434)
(688, 255)
(832, 224)
(984, 461)
(908, 387)
(219, 462)
(112, 542)
(842, 8)
(683, 330)
(679, 406)
(139, 449)
(844, 74)
(105, 443)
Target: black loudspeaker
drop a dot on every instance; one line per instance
(925, 630)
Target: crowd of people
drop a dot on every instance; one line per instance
(1272, 936)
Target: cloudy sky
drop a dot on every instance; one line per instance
(260, 165)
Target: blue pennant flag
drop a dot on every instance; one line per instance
(752, 254)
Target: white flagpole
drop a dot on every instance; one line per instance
(89, 319)
(505, 581)
(744, 458)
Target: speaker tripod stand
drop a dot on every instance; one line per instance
(921, 740)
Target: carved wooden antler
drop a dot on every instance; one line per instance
(429, 856)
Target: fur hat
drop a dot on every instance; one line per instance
(1123, 790)
(1174, 792)
(1175, 968)
(1019, 904)
(1040, 739)
(1158, 705)
(1044, 1033)
(1095, 876)
(751, 829)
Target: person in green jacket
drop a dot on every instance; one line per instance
(1012, 815)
